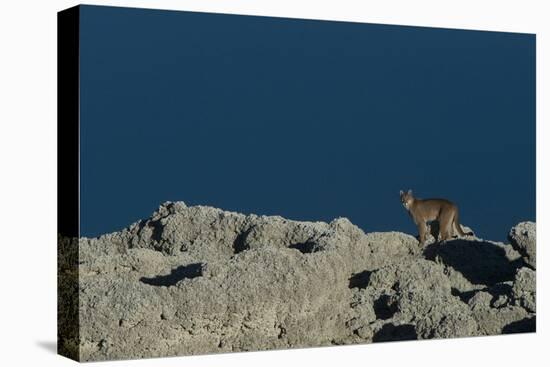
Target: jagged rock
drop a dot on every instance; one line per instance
(398, 296)
(481, 262)
(492, 321)
(193, 280)
(480, 299)
(523, 238)
(524, 289)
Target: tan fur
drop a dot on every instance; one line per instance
(424, 211)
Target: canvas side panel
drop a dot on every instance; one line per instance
(68, 214)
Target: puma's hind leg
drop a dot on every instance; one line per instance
(445, 225)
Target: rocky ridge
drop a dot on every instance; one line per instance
(195, 280)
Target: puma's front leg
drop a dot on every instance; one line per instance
(422, 232)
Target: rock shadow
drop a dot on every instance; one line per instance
(391, 332)
(307, 247)
(497, 290)
(157, 230)
(464, 296)
(156, 227)
(527, 325)
(480, 262)
(360, 280)
(240, 244)
(384, 307)
(181, 272)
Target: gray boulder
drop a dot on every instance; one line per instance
(524, 289)
(523, 238)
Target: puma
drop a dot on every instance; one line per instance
(424, 211)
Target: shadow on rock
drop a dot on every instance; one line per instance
(480, 262)
(307, 247)
(391, 332)
(464, 296)
(181, 272)
(240, 245)
(385, 307)
(360, 280)
(527, 325)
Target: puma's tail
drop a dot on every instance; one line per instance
(459, 228)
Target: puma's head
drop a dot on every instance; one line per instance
(406, 198)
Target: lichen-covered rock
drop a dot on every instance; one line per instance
(193, 280)
(524, 239)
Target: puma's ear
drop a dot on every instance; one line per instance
(401, 192)
(410, 192)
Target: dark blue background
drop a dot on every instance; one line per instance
(310, 120)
